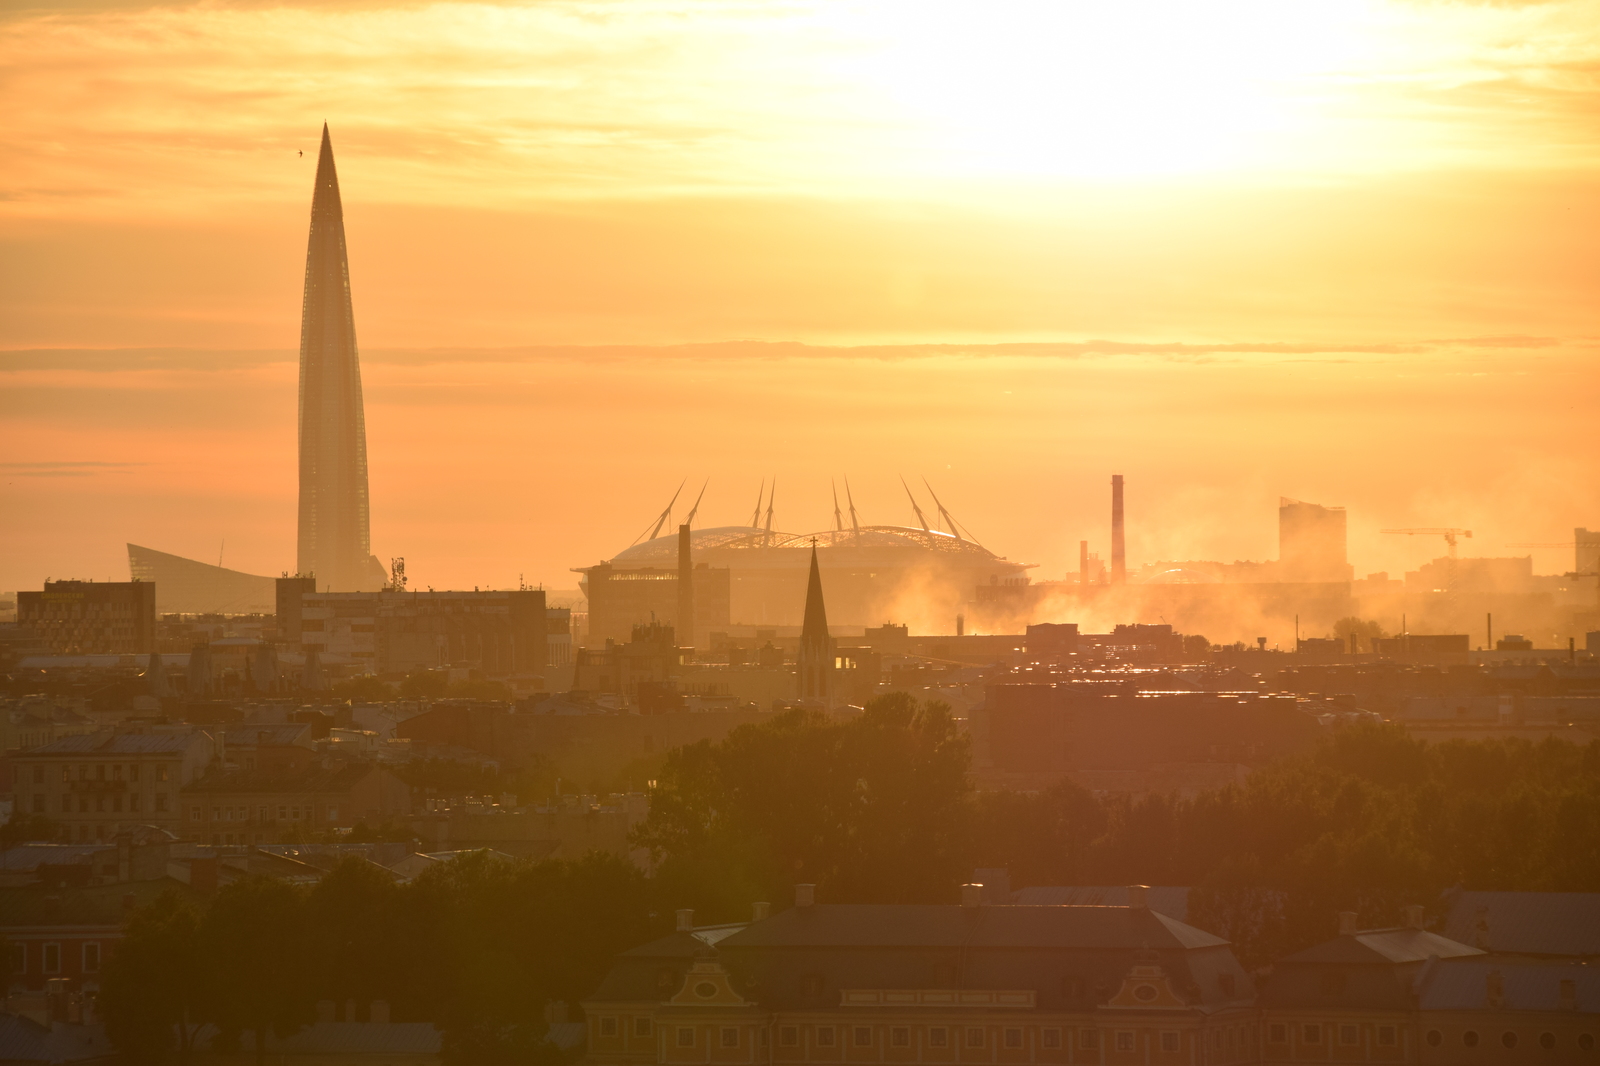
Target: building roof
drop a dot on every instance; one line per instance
(275, 735)
(346, 1038)
(919, 926)
(739, 546)
(1383, 946)
(25, 1040)
(104, 905)
(1527, 923)
(339, 778)
(1463, 984)
(117, 744)
(25, 858)
(1171, 901)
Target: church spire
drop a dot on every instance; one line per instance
(816, 647)
(334, 542)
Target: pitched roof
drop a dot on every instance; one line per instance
(90, 905)
(1171, 901)
(25, 1040)
(25, 858)
(932, 926)
(1386, 946)
(348, 1038)
(1531, 923)
(339, 778)
(118, 744)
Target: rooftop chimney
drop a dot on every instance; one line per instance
(1138, 897)
(685, 919)
(1119, 557)
(760, 912)
(805, 895)
(1347, 923)
(1414, 916)
(972, 895)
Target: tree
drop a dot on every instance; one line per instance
(1363, 630)
(350, 920)
(153, 994)
(255, 957)
(424, 684)
(871, 810)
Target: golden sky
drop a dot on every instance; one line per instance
(1343, 207)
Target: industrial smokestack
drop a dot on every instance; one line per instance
(1119, 561)
(685, 590)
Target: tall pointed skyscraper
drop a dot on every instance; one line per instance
(335, 539)
(815, 680)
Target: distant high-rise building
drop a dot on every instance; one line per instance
(1119, 551)
(334, 536)
(816, 647)
(1311, 542)
(92, 617)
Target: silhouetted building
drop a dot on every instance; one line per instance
(91, 617)
(814, 676)
(1051, 642)
(186, 586)
(1311, 542)
(287, 597)
(620, 599)
(334, 535)
(858, 983)
(396, 632)
(643, 669)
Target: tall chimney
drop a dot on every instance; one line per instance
(1119, 558)
(685, 919)
(1083, 564)
(805, 895)
(685, 590)
(760, 912)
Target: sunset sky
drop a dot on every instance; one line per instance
(1341, 250)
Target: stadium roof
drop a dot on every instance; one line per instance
(725, 544)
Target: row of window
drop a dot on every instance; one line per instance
(50, 957)
(937, 1036)
(1510, 1039)
(1347, 1035)
(99, 802)
(263, 814)
(99, 772)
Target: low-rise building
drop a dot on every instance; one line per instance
(236, 806)
(96, 785)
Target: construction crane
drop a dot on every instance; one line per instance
(1449, 535)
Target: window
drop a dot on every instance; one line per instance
(730, 1036)
(1013, 1038)
(283, 813)
(1349, 1034)
(861, 1036)
(83, 804)
(19, 958)
(333, 814)
(242, 814)
(91, 957)
(641, 1026)
(974, 1037)
(1277, 1033)
(1217, 1039)
(788, 1036)
(161, 773)
(52, 958)
(1311, 1034)
(38, 803)
(1469, 1038)
(1125, 1040)
(133, 772)
(66, 774)
(824, 1036)
(261, 814)
(161, 801)
(1089, 1039)
(216, 814)
(938, 1036)
(1508, 1038)
(685, 1036)
(1052, 1038)
(116, 803)
(705, 990)
(133, 802)
(1169, 1041)
(1547, 1041)
(900, 1036)
(66, 804)
(116, 772)
(1387, 1036)
(608, 1027)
